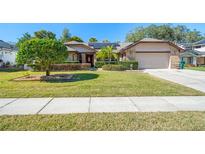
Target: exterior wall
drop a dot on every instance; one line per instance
(72, 56)
(173, 59)
(201, 60)
(8, 56)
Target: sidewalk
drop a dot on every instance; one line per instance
(23, 106)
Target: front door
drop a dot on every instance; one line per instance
(89, 59)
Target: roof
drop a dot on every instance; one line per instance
(151, 40)
(199, 42)
(71, 46)
(75, 43)
(98, 45)
(70, 49)
(7, 45)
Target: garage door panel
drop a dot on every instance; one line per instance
(152, 60)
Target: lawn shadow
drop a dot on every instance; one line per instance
(75, 78)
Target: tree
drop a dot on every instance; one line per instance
(105, 41)
(193, 36)
(41, 52)
(180, 33)
(25, 37)
(65, 35)
(106, 53)
(93, 39)
(76, 38)
(43, 34)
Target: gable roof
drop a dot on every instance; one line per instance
(99, 45)
(200, 42)
(71, 45)
(8, 46)
(152, 40)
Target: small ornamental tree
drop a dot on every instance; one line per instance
(106, 53)
(41, 52)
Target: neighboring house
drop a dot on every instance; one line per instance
(194, 53)
(8, 52)
(153, 53)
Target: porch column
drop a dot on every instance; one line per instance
(194, 61)
(83, 58)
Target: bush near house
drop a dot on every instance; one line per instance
(69, 67)
(128, 65)
(111, 67)
(99, 64)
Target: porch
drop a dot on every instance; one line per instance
(82, 57)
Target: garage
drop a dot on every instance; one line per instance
(153, 54)
(152, 60)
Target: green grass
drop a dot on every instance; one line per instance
(92, 83)
(186, 121)
(201, 68)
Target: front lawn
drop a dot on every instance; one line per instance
(92, 83)
(200, 68)
(172, 121)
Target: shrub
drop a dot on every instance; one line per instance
(111, 67)
(129, 64)
(71, 62)
(69, 67)
(99, 64)
(189, 65)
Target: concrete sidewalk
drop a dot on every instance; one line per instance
(24, 106)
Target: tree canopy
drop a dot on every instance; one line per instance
(76, 38)
(180, 33)
(105, 41)
(25, 37)
(93, 39)
(65, 35)
(43, 34)
(41, 52)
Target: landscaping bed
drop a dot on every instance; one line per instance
(55, 77)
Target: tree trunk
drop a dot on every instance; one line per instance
(47, 72)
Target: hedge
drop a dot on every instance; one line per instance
(111, 67)
(99, 64)
(129, 64)
(69, 67)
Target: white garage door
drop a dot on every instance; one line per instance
(152, 60)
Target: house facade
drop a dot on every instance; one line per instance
(150, 53)
(153, 54)
(194, 54)
(7, 53)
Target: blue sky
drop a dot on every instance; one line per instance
(110, 31)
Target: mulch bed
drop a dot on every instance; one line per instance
(55, 77)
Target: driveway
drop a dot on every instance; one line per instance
(189, 78)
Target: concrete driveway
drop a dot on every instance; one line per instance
(189, 78)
